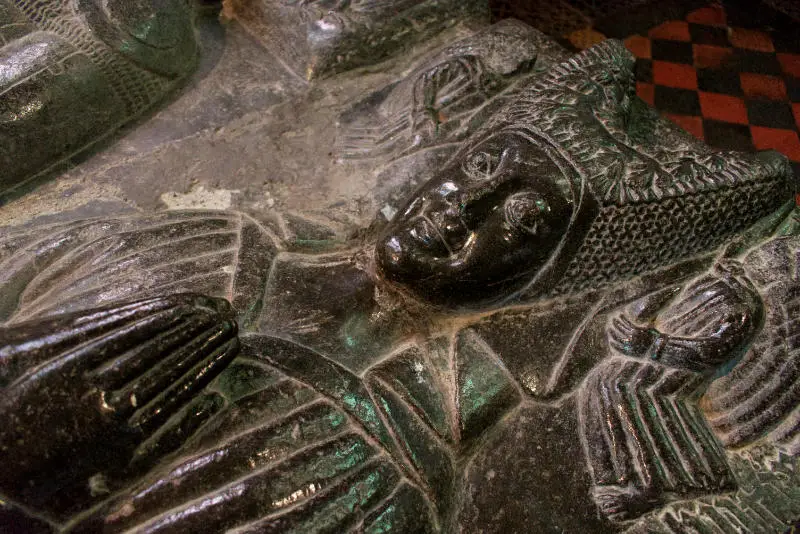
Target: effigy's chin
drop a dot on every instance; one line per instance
(403, 261)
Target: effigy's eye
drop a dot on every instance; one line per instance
(525, 211)
(481, 165)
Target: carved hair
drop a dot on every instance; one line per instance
(649, 195)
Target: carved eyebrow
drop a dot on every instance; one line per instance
(481, 164)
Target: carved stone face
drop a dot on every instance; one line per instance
(482, 227)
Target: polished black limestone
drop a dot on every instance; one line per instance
(582, 319)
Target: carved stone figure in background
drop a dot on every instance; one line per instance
(444, 98)
(408, 129)
(322, 37)
(73, 72)
(570, 236)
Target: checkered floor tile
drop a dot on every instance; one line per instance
(727, 71)
(735, 87)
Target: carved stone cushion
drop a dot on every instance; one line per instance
(73, 72)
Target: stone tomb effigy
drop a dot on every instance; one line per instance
(580, 318)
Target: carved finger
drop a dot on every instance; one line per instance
(618, 340)
(170, 401)
(617, 325)
(86, 338)
(170, 437)
(619, 346)
(621, 333)
(136, 360)
(170, 370)
(626, 323)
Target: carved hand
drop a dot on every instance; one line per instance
(630, 339)
(82, 391)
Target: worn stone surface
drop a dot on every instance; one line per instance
(243, 122)
(532, 306)
(315, 38)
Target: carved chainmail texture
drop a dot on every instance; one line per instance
(662, 196)
(635, 238)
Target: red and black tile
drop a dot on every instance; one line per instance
(728, 72)
(727, 80)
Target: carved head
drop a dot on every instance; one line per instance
(574, 186)
(484, 225)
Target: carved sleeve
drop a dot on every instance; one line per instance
(713, 322)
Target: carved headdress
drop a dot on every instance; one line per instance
(647, 195)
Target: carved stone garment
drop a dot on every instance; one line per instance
(444, 98)
(72, 72)
(650, 422)
(757, 399)
(317, 415)
(750, 407)
(645, 437)
(417, 434)
(397, 400)
(643, 432)
(69, 267)
(322, 37)
(307, 445)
